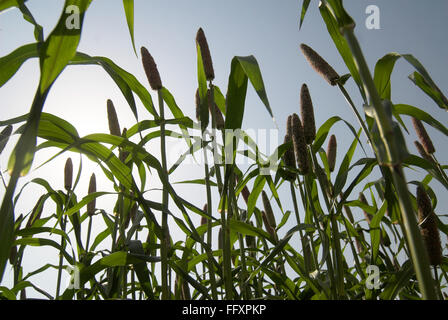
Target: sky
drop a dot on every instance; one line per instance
(267, 29)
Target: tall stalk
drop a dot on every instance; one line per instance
(209, 225)
(165, 232)
(418, 254)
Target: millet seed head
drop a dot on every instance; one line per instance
(307, 114)
(201, 40)
(204, 219)
(428, 227)
(331, 152)
(367, 215)
(320, 65)
(299, 143)
(268, 209)
(215, 112)
(423, 136)
(289, 126)
(289, 159)
(152, 73)
(68, 174)
(421, 150)
(114, 126)
(92, 188)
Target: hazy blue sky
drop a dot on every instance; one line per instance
(267, 29)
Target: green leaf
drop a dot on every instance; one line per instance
(383, 71)
(88, 198)
(305, 5)
(344, 20)
(242, 70)
(398, 281)
(341, 44)
(176, 111)
(252, 70)
(60, 46)
(202, 90)
(129, 11)
(116, 259)
(10, 63)
(27, 15)
(8, 294)
(37, 242)
(341, 177)
(423, 80)
(258, 186)
(421, 115)
(375, 230)
(248, 230)
(6, 4)
(141, 269)
(236, 96)
(124, 80)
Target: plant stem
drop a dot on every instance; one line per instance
(165, 232)
(89, 230)
(334, 226)
(296, 211)
(61, 258)
(209, 226)
(418, 254)
(328, 260)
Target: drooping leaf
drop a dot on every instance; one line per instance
(128, 6)
(340, 43)
(305, 5)
(423, 80)
(10, 63)
(383, 71)
(6, 4)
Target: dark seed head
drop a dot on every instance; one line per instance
(220, 239)
(268, 209)
(331, 152)
(298, 139)
(289, 126)
(250, 240)
(307, 114)
(92, 188)
(423, 136)
(320, 65)
(201, 40)
(152, 73)
(421, 150)
(114, 126)
(349, 214)
(359, 240)
(246, 194)
(289, 159)
(68, 174)
(215, 112)
(367, 215)
(428, 227)
(268, 227)
(204, 219)
(36, 213)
